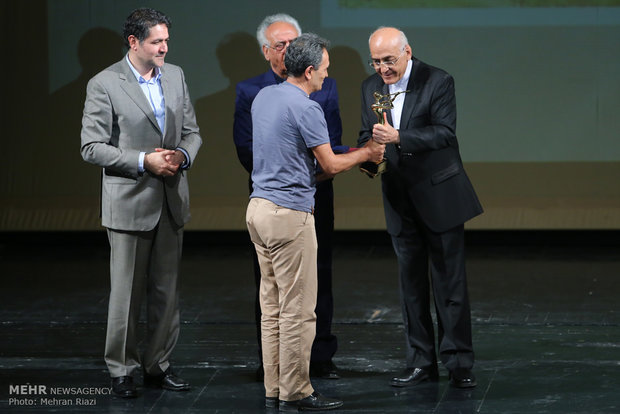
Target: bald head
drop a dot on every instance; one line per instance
(390, 51)
(389, 35)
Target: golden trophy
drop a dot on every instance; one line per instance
(381, 104)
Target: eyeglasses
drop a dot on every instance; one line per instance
(376, 63)
(280, 46)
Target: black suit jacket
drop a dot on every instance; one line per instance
(425, 171)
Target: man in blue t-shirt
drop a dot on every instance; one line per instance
(274, 34)
(289, 136)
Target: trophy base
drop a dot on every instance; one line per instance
(372, 169)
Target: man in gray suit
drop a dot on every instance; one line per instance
(139, 125)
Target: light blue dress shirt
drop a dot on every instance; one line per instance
(155, 95)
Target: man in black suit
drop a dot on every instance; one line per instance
(427, 198)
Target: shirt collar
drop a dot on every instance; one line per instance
(277, 77)
(139, 78)
(402, 83)
(287, 84)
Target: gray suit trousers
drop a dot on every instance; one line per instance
(143, 262)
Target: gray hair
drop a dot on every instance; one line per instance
(306, 50)
(402, 39)
(268, 21)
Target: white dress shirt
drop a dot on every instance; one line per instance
(398, 103)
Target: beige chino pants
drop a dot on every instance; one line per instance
(286, 245)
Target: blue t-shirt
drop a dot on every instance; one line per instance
(286, 125)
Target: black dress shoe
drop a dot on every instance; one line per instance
(324, 369)
(271, 402)
(313, 402)
(124, 387)
(462, 378)
(167, 381)
(414, 376)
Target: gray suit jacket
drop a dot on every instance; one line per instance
(118, 123)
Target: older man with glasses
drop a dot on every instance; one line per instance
(274, 34)
(427, 198)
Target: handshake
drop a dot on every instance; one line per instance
(382, 133)
(376, 151)
(375, 165)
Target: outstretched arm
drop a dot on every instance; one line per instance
(333, 164)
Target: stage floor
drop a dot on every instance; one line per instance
(545, 312)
